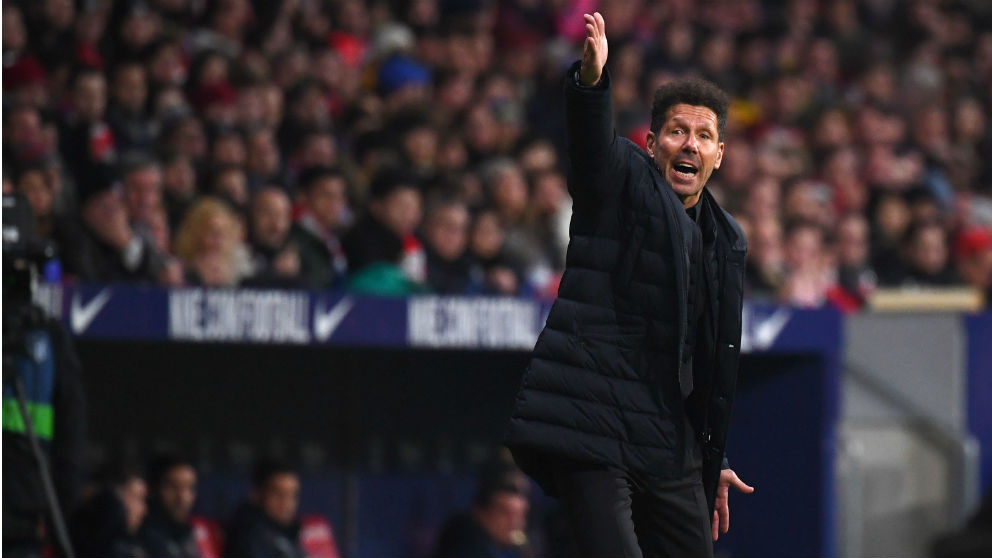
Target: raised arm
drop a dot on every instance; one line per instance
(592, 142)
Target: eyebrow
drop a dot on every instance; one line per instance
(709, 126)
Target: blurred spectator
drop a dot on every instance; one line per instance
(973, 254)
(209, 242)
(104, 246)
(382, 252)
(126, 113)
(496, 525)
(107, 524)
(85, 137)
(852, 108)
(765, 267)
(275, 259)
(809, 271)
(449, 268)
(500, 272)
(166, 531)
(855, 278)
(316, 235)
(267, 525)
(927, 256)
(142, 181)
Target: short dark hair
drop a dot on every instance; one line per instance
(160, 464)
(268, 468)
(689, 91)
(310, 175)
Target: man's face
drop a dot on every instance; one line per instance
(90, 97)
(178, 492)
(132, 495)
(447, 231)
(271, 218)
(130, 88)
(280, 498)
(400, 211)
(327, 200)
(143, 192)
(687, 149)
(506, 518)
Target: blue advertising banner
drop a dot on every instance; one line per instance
(256, 316)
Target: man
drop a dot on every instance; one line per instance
(275, 259)
(384, 256)
(166, 531)
(495, 527)
(323, 193)
(267, 526)
(624, 410)
(103, 245)
(449, 266)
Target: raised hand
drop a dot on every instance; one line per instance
(594, 51)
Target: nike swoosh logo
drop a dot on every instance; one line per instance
(766, 332)
(325, 323)
(82, 315)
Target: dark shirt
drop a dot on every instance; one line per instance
(253, 534)
(162, 536)
(462, 536)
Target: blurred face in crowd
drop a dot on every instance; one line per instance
(327, 199)
(400, 210)
(14, 33)
(765, 242)
(177, 492)
(233, 185)
(928, 250)
(143, 192)
(687, 149)
(892, 216)
(318, 149)
(179, 179)
(509, 191)
(852, 241)
(90, 96)
(263, 154)
(34, 186)
(420, 146)
(447, 231)
(130, 88)
(505, 518)
(487, 235)
(132, 494)
(280, 497)
(550, 191)
(167, 66)
(158, 226)
(229, 149)
(803, 248)
(60, 13)
(270, 217)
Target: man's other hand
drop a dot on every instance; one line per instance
(721, 513)
(594, 50)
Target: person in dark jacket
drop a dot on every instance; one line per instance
(449, 266)
(103, 246)
(316, 235)
(624, 410)
(107, 523)
(495, 526)
(275, 258)
(267, 525)
(166, 531)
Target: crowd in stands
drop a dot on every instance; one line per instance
(400, 146)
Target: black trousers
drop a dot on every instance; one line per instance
(621, 514)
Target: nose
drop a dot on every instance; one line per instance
(691, 144)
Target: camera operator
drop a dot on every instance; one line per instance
(43, 403)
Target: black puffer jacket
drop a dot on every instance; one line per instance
(603, 383)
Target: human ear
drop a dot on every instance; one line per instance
(719, 156)
(650, 142)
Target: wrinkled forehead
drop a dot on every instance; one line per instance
(697, 115)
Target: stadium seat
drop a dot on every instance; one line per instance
(209, 536)
(317, 537)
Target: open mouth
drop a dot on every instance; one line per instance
(685, 170)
